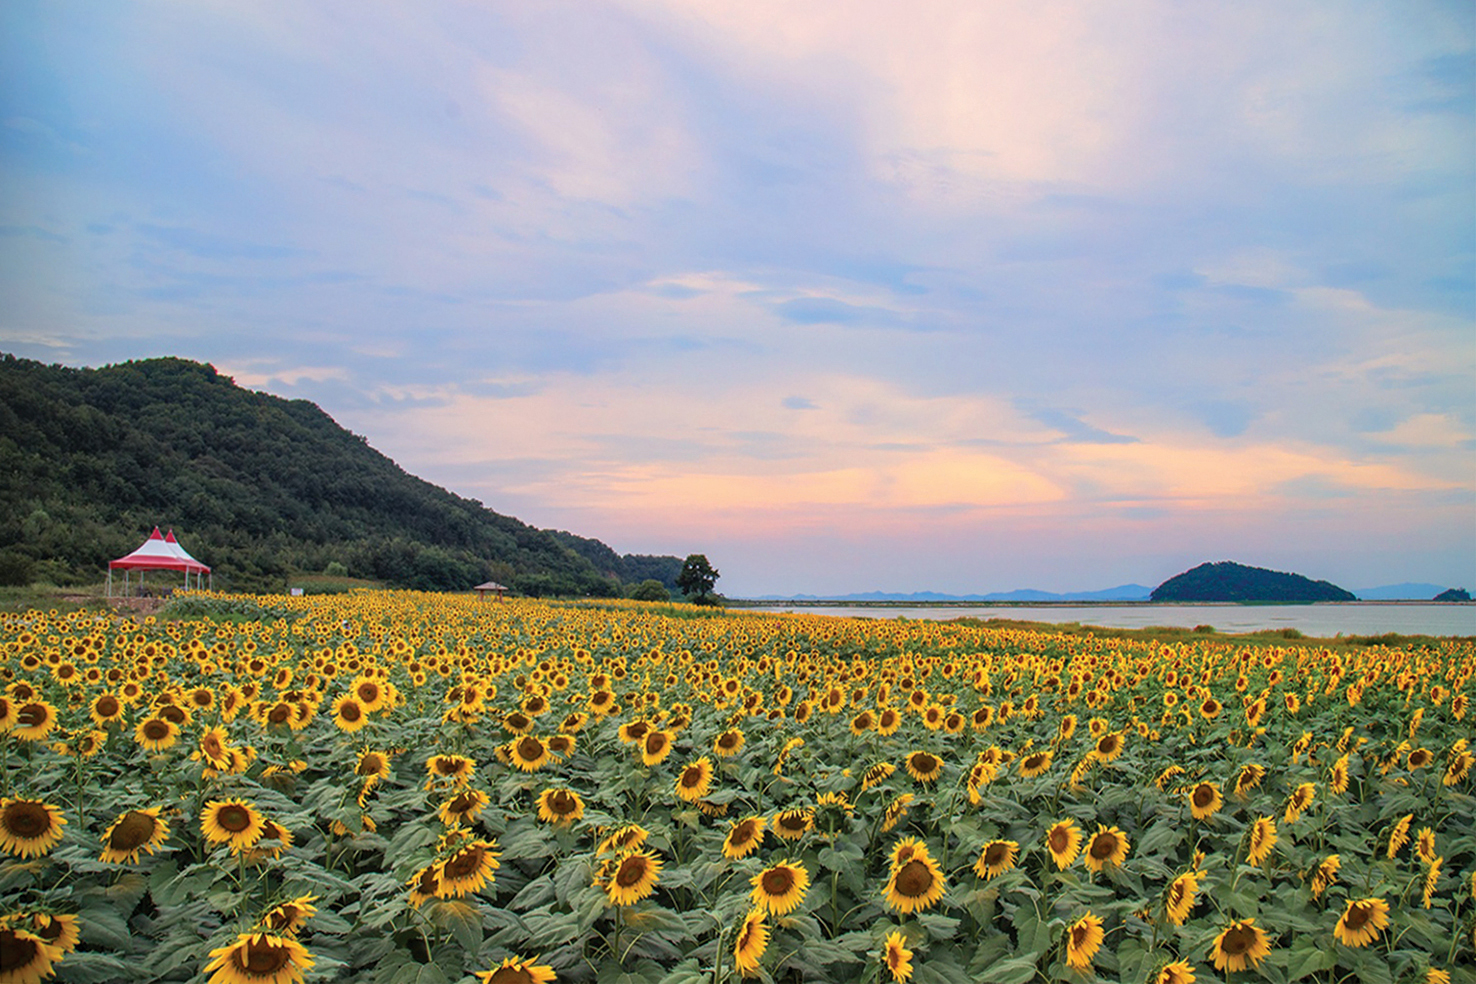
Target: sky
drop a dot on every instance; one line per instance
(951, 295)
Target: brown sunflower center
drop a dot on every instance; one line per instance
(914, 879)
(461, 803)
(26, 819)
(1079, 936)
(632, 871)
(464, 862)
(655, 742)
(996, 854)
(793, 821)
(777, 881)
(530, 749)
(727, 740)
(924, 763)
(233, 818)
(1357, 916)
(692, 777)
(262, 958)
(1419, 759)
(510, 975)
(156, 729)
(16, 953)
(171, 713)
(368, 692)
(370, 765)
(1035, 761)
(350, 711)
(1238, 940)
(742, 834)
(1204, 795)
(132, 832)
(108, 706)
(1104, 846)
(518, 721)
(280, 714)
(1059, 839)
(31, 715)
(561, 802)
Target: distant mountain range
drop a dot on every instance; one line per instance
(1407, 591)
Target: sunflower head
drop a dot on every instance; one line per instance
(1240, 946)
(780, 888)
(29, 828)
(744, 837)
(915, 884)
(259, 957)
(134, 831)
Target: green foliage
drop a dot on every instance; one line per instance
(1228, 581)
(650, 590)
(257, 486)
(697, 577)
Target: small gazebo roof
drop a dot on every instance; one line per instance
(490, 586)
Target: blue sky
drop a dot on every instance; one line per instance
(948, 295)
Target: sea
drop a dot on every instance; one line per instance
(1324, 619)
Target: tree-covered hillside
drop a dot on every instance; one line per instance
(1229, 581)
(257, 486)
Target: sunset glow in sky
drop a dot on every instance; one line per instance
(954, 295)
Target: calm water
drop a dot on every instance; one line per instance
(1355, 618)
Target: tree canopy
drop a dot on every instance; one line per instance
(697, 577)
(256, 486)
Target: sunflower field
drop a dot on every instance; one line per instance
(412, 788)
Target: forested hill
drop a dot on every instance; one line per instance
(1229, 581)
(256, 486)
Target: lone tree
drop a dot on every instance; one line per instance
(697, 578)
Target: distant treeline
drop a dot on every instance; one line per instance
(259, 487)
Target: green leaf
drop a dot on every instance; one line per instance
(1018, 970)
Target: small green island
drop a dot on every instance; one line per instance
(1228, 581)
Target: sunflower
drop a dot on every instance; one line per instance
(348, 714)
(793, 824)
(1432, 881)
(468, 870)
(458, 768)
(1262, 839)
(464, 807)
(106, 709)
(896, 810)
(862, 723)
(1325, 874)
(1425, 845)
(997, 857)
(29, 828)
(1205, 800)
(655, 746)
(1108, 845)
(517, 970)
(1248, 778)
(633, 878)
(1399, 836)
(1035, 765)
(1419, 758)
(560, 807)
(695, 780)
(425, 885)
(372, 766)
(888, 720)
(61, 932)
(904, 850)
(925, 767)
(1339, 781)
(750, 943)
(259, 958)
(744, 837)
(25, 958)
(562, 744)
(1178, 972)
(1082, 941)
(780, 888)
(728, 743)
(626, 838)
(896, 956)
(288, 917)
(1108, 747)
(156, 733)
(876, 774)
(1457, 770)
(1300, 799)
(34, 720)
(1180, 899)
(915, 885)
(274, 839)
(1361, 921)
(1064, 841)
(369, 692)
(234, 822)
(1240, 946)
(134, 831)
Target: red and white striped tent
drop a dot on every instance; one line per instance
(158, 553)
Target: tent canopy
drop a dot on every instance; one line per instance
(159, 553)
